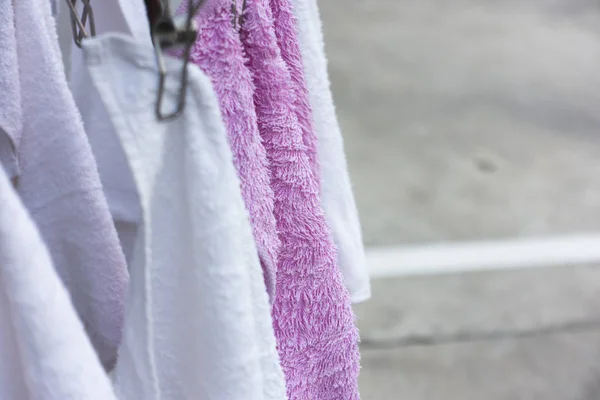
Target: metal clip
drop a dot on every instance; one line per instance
(169, 33)
(154, 10)
(237, 18)
(78, 24)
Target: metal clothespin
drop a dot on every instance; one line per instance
(78, 24)
(237, 18)
(169, 33)
(154, 10)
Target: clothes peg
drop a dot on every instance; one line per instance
(169, 33)
(237, 18)
(154, 9)
(78, 23)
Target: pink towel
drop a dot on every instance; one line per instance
(218, 52)
(313, 319)
(287, 39)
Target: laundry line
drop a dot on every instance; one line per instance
(484, 255)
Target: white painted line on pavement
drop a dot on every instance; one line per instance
(483, 255)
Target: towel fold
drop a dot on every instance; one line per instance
(44, 351)
(11, 118)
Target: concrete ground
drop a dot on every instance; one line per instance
(469, 118)
(464, 120)
(529, 334)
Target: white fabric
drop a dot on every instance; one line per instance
(44, 351)
(11, 120)
(128, 17)
(198, 322)
(336, 190)
(57, 177)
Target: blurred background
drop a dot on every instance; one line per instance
(472, 130)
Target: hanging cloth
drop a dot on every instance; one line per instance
(55, 172)
(300, 38)
(313, 319)
(198, 319)
(44, 351)
(127, 17)
(218, 52)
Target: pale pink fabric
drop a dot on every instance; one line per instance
(313, 319)
(57, 175)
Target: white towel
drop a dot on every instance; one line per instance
(198, 322)
(57, 176)
(44, 351)
(128, 17)
(336, 190)
(11, 124)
